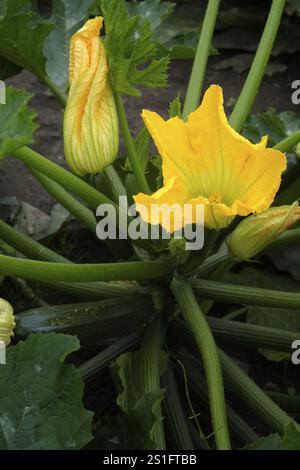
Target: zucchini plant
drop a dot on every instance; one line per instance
(159, 314)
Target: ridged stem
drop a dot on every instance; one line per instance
(257, 70)
(234, 293)
(130, 147)
(63, 177)
(74, 207)
(207, 347)
(200, 62)
(150, 369)
(34, 249)
(244, 387)
(93, 366)
(178, 424)
(69, 272)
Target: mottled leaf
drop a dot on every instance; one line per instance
(22, 36)
(132, 52)
(68, 16)
(41, 398)
(17, 124)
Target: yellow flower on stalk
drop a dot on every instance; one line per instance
(91, 136)
(7, 321)
(207, 162)
(255, 233)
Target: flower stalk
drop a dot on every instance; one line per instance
(130, 147)
(78, 210)
(63, 177)
(200, 62)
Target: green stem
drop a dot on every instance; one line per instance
(252, 395)
(255, 336)
(214, 262)
(130, 147)
(115, 183)
(198, 258)
(150, 369)
(60, 95)
(68, 272)
(289, 143)
(72, 183)
(178, 424)
(201, 57)
(288, 402)
(74, 207)
(244, 387)
(63, 177)
(27, 246)
(93, 366)
(260, 62)
(244, 334)
(245, 295)
(217, 275)
(237, 425)
(211, 264)
(289, 236)
(235, 313)
(206, 344)
(36, 250)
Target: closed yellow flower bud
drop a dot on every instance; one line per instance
(7, 321)
(256, 232)
(91, 136)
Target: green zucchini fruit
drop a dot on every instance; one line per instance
(95, 323)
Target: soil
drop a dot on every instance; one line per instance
(15, 180)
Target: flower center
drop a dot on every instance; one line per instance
(215, 198)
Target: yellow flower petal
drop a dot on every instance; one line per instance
(90, 122)
(214, 165)
(172, 194)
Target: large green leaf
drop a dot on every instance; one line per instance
(17, 124)
(8, 69)
(68, 16)
(132, 52)
(289, 441)
(41, 398)
(155, 11)
(276, 125)
(22, 36)
(178, 34)
(242, 62)
(292, 7)
(287, 258)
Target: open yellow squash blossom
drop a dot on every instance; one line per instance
(91, 134)
(207, 162)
